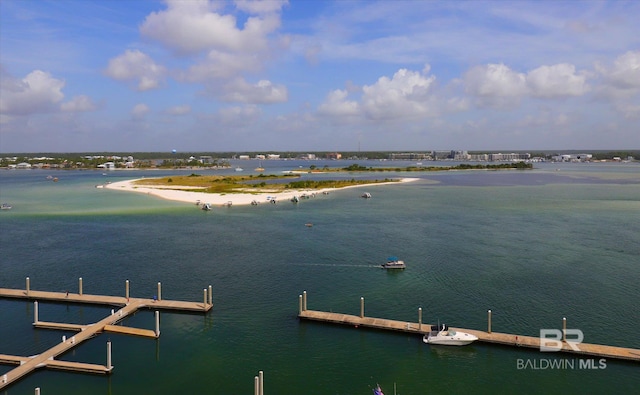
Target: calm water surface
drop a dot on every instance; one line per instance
(532, 246)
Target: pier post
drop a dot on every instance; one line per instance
(4, 379)
(159, 291)
(157, 323)
(256, 385)
(80, 286)
(362, 307)
(126, 289)
(35, 312)
(37, 392)
(564, 329)
(261, 376)
(204, 303)
(304, 300)
(299, 304)
(419, 318)
(210, 295)
(64, 338)
(489, 321)
(28, 285)
(109, 355)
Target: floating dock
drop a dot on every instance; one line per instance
(507, 339)
(127, 306)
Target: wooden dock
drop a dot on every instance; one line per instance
(127, 306)
(507, 339)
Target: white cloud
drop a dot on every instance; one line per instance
(495, 81)
(136, 66)
(625, 73)
(556, 81)
(192, 26)
(260, 6)
(80, 103)
(38, 92)
(263, 92)
(406, 94)
(337, 105)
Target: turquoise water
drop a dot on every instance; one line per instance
(534, 246)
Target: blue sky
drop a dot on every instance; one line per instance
(306, 75)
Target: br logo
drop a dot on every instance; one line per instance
(551, 339)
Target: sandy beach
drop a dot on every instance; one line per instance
(217, 199)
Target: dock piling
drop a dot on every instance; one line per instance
(28, 285)
(126, 289)
(159, 291)
(37, 392)
(35, 312)
(420, 318)
(362, 307)
(204, 302)
(157, 323)
(304, 300)
(261, 376)
(210, 296)
(564, 329)
(488, 321)
(300, 304)
(80, 286)
(109, 355)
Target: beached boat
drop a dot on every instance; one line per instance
(206, 207)
(5, 206)
(441, 334)
(295, 199)
(394, 263)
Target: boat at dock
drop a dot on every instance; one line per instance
(441, 334)
(394, 263)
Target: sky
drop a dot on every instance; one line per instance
(310, 75)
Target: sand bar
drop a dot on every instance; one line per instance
(219, 199)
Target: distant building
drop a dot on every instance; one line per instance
(205, 159)
(334, 155)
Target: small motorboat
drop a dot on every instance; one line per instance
(366, 195)
(5, 206)
(394, 263)
(443, 335)
(206, 207)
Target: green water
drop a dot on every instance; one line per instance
(531, 246)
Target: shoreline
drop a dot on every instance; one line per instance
(223, 199)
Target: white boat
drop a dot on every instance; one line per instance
(443, 335)
(366, 195)
(206, 207)
(5, 206)
(394, 263)
(239, 168)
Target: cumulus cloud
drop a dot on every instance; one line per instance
(623, 77)
(263, 92)
(494, 81)
(337, 105)
(406, 94)
(556, 81)
(189, 27)
(220, 65)
(80, 103)
(136, 66)
(38, 92)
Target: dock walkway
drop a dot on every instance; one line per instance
(127, 306)
(507, 339)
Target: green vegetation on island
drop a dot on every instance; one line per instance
(248, 184)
